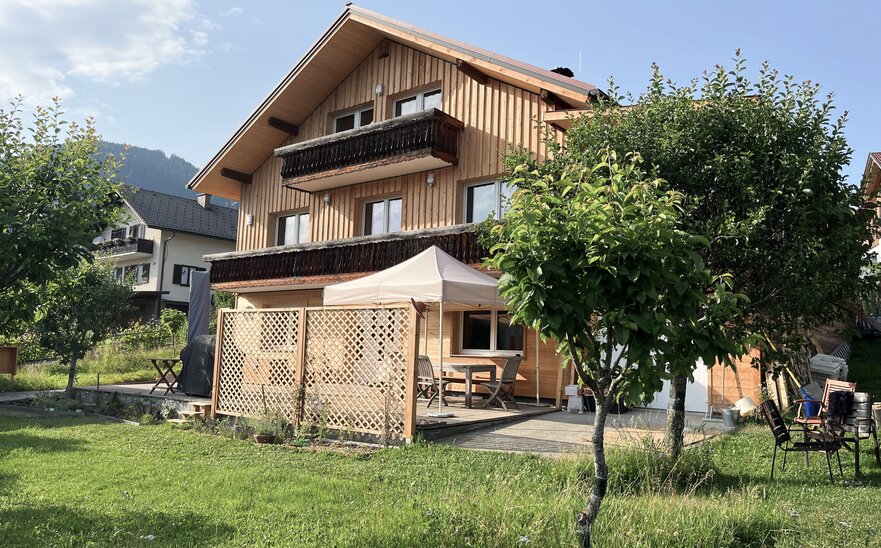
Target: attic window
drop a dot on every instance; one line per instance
(353, 119)
(423, 100)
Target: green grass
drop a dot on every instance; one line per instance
(114, 367)
(76, 482)
(865, 365)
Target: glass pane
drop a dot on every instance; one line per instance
(373, 214)
(185, 275)
(431, 99)
(480, 202)
(303, 230)
(476, 329)
(287, 230)
(394, 215)
(366, 117)
(406, 106)
(508, 337)
(145, 273)
(506, 192)
(344, 122)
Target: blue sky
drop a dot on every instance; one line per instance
(181, 75)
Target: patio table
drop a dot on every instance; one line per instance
(165, 368)
(469, 369)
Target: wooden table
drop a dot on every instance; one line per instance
(165, 368)
(469, 369)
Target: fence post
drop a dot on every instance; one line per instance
(218, 350)
(410, 376)
(300, 365)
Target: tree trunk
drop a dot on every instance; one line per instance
(71, 375)
(601, 472)
(674, 439)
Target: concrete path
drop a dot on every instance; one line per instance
(564, 433)
(12, 397)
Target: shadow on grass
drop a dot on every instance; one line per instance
(59, 525)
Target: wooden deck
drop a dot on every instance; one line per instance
(466, 420)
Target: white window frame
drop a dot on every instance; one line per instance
(420, 99)
(493, 335)
(357, 112)
(296, 214)
(138, 270)
(385, 215)
(497, 192)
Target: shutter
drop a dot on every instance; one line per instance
(175, 277)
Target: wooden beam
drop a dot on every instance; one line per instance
(244, 178)
(471, 71)
(287, 127)
(552, 100)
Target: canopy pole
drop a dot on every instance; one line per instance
(440, 397)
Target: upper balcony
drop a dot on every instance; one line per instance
(407, 144)
(132, 248)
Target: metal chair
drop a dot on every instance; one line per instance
(856, 425)
(502, 390)
(783, 441)
(427, 385)
(814, 425)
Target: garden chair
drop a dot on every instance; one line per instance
(783, 441)
(502, 390)
(427, 385)
(856, 425)
(811, 414)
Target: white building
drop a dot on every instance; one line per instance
(160, 240)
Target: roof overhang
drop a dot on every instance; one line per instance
(339, 50)
(872, 175)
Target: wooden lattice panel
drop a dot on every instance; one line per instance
(356, 362)
(258, 356)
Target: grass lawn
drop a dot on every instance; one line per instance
(77, 482)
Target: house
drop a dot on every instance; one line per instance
(383, 140)
(160, 241)
(872, 182)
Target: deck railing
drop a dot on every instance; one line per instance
(139, 245)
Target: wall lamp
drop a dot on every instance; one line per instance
(326, 198)
(430, 179)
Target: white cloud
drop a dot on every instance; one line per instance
(45, 44)
(231, 12)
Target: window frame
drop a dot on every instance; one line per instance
(420, 99)
(298, 215)
(357, 111)
(385, 214)
(493, 337)
(498, 213)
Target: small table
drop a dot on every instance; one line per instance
(165, 368)
(469, 369)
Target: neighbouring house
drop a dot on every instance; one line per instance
(872, 184)
(383, 140)
(160, 240)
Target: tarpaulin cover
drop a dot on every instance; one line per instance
(197, 372)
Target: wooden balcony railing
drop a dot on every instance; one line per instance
(406, 144)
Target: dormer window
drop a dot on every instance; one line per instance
(353, 119)
(421, 101)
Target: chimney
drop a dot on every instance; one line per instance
(564, 71)
(204, 200)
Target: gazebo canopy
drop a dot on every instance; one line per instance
(430, 276)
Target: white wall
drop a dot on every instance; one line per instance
(185, 249)
(130, 218)
(696, 395)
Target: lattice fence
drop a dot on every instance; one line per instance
(354, 366)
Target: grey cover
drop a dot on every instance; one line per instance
(200, 304)
(197, 373)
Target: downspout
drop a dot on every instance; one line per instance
(162, 270)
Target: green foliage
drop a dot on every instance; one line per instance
(147, 419)
(222, 299)
(175, 323)
(271, 423)
(54, 198)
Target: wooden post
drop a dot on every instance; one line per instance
(412, 357)
(300, 366)
(218, 350)
(559, 401)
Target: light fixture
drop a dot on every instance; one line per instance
(326, 198)
(379, 89)
(249, 219)
(430, 179)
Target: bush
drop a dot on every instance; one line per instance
(147, 418)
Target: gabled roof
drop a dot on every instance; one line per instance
(342, 47)
(180, 214)
(872, 174)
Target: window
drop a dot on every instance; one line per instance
(118, 273)
(353, 119)
(382, 216)
(292, 229)
(421, 101)
(490, 331)
(134, 231)
(484, 200)
(140, 273)
(181, 274)
(118, 233)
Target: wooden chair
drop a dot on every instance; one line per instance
(856, 425)
(783, 441)
(427, 385)
(502, 390)
(815, 425)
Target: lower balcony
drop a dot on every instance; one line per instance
(133, 248)
(407, 144)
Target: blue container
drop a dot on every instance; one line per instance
(812, 408)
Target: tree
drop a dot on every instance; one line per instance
(175, 322)
(759, 165)
(78, 310)
(55, 197)
(594, 259)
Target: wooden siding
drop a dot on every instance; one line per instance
(496, 116)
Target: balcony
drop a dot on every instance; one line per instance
(130, 247)
(407, 144)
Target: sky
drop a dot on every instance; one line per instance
(182, 75)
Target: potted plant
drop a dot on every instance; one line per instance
(269, 427)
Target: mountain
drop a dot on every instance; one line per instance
(155, 170)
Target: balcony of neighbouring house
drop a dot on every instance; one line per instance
(132, 248)
(407, 144)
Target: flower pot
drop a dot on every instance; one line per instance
(264, 438)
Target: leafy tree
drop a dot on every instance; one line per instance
(175, 323)
(54, 198)
(594, 258)
(759, 165)
(78, 310)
